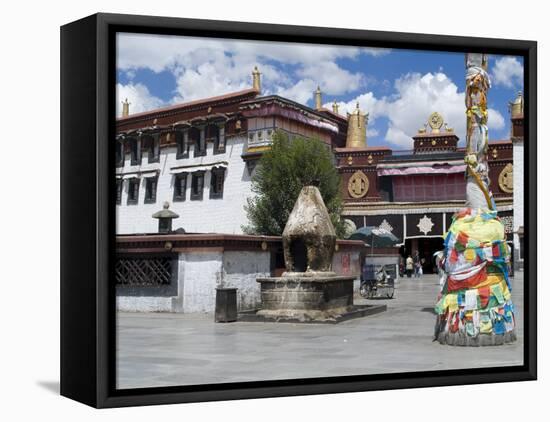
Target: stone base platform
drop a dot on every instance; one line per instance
(299, 297)
(356, 311)
(462, 339)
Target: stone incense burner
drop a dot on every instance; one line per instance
(309, 291)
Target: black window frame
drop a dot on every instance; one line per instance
(198, 149)
(119, 153)
(154, 149)
(135, 152)
(182, 147)
(215, 175)
(216, 139)
(151, 184)
(179, 195)
(118, 191)
(195, 177)
(131, 200)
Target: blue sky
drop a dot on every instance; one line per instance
(398, 88)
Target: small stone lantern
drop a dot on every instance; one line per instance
(165, 217)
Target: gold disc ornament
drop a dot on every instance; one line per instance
(358, 184)
(435, 121)
(506, 179)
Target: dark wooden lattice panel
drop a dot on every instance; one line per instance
(143, 271)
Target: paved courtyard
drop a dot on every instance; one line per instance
(156, 350)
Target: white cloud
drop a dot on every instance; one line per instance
(332, 79)
(204, 67)
(372, 132)
(495, 120)
(508, 71)
(300, 92)
(139, 97)
(368, 103)
(416, 97)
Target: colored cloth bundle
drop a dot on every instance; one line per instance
(475, 303)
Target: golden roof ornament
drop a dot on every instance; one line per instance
(318, 99)
(256, 81)
(435, 121)
(516, 106)
(125, 108)
(357, 129)
(335, 107)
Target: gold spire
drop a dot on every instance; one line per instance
(125, 108)
(357, 129)
(516, 106)
(256, 82)
(318, 99)
(335, 107)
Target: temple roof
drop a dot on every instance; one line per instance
(233, 97)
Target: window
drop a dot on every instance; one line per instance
(135, 153)
(180, 184)
(216, 183)
(215, 134)
(154, 149)
(133, 191)
(182, 146)
(118, 191)
(150, 190)
(119, 153)
(198, 141)
(429, 187)
(197, 185)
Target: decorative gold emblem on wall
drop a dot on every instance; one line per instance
(358, 184)
(350, 160)
(370, 159)
(506, 179)
(495, 153)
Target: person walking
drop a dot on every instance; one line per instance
(409, 266)
(417, 265)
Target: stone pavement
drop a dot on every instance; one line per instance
(156, 350)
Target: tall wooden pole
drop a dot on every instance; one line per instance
(478, 83)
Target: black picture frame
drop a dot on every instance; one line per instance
(88, 194)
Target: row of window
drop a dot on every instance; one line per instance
(217, 178)
(151, 143)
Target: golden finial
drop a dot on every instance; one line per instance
(335, 107)
(516, 106)
(318, 99)
(125, 108)
(357, 125)
(256, 82)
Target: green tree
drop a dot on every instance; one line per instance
(280, 175)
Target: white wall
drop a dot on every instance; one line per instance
(518, 193)
(198, 276)
(241, 269)
(200, 273)
(224, 215)
(144, 303)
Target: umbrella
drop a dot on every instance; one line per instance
(377, 237)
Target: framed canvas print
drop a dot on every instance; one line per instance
(253, 210)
